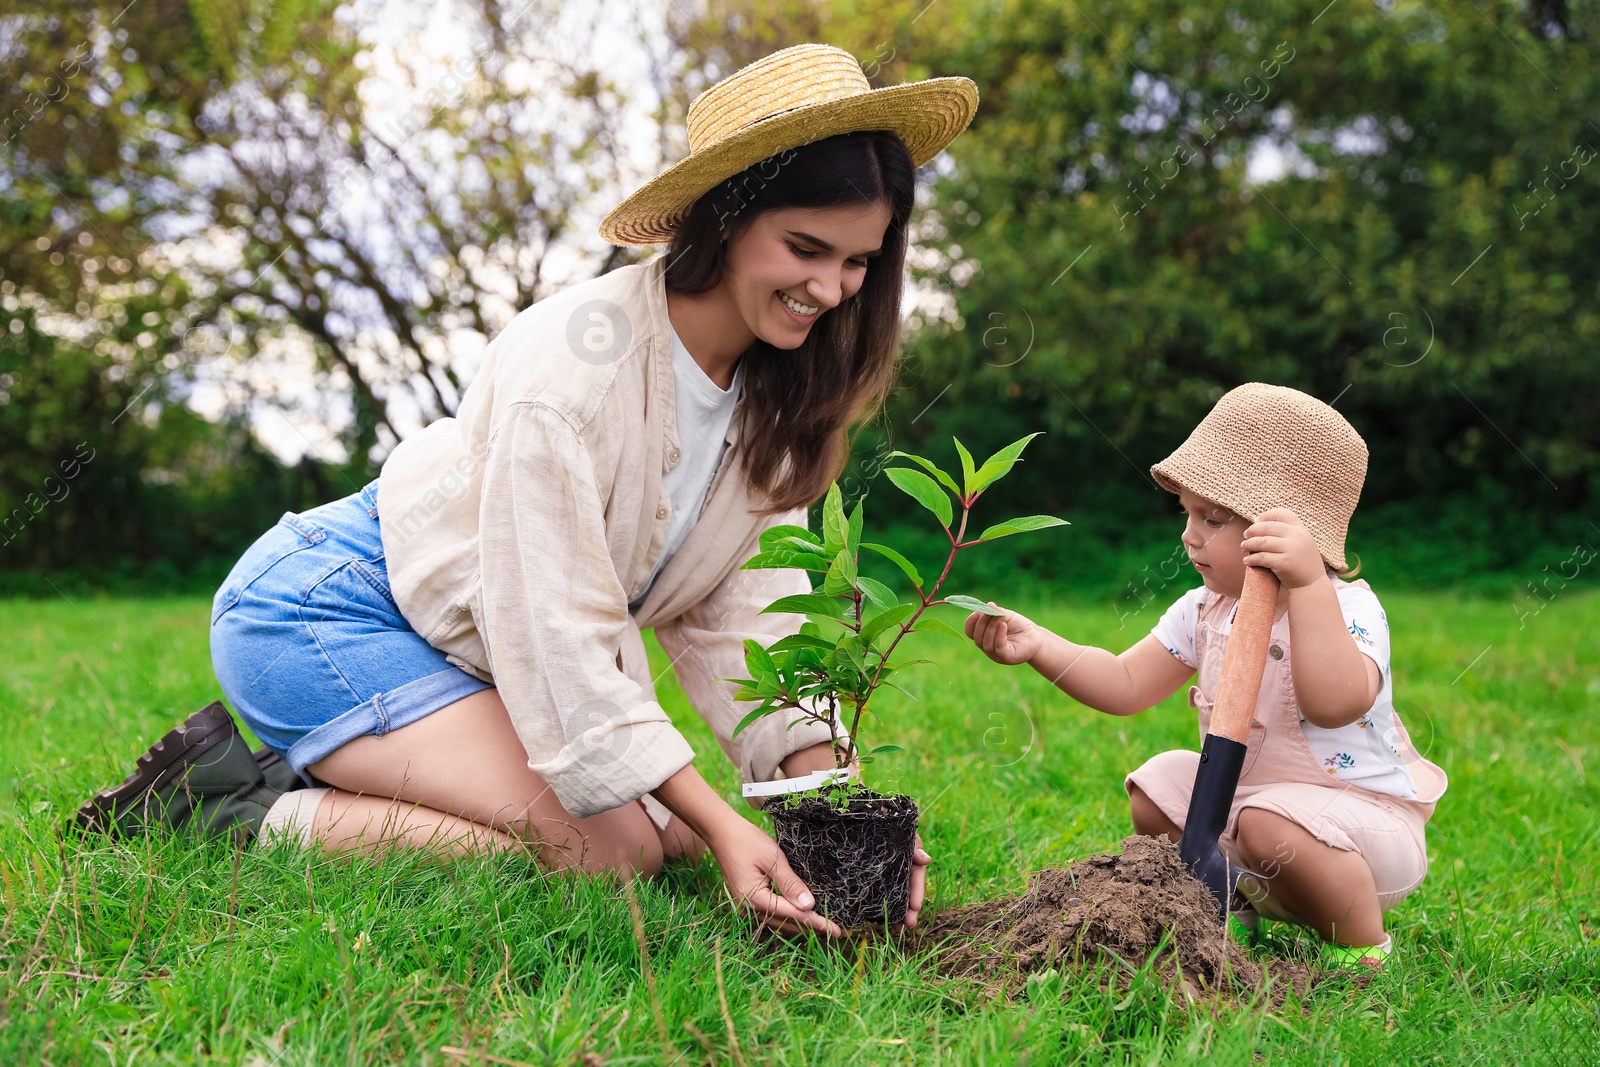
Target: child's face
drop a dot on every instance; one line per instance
(1211, 534)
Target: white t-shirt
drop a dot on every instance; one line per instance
(1362, 753)
(704, 412)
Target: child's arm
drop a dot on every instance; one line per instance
(1141, 677)
(1334, 682)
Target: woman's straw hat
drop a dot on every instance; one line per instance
(1267, 446)
(792, 97)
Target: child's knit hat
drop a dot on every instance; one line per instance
(1268, 446)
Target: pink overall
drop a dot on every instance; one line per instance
(1281, 775)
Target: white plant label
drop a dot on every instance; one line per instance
(795, 785)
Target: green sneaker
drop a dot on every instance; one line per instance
(1351, 957)
(1244, 926)
(199, 776)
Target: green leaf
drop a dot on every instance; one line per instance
(841, 574)
(810, 659)
(853, 527)
(783, 558)
(797, 544)
(759, 660)
(799, 641)
(764, 709)
(1025, 524)
(808, 604)
(773, 535)
(833, 523)
(996, 466)
(898, 560)
(879, 623)
(973, 604)
(944, 479)
(886, 748)
(847, 623)
(966, 468)
(877, 592)
(930, 622)
(850, 649)
(923, 490)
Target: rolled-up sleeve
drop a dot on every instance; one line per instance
(553, 616)
(706, 642)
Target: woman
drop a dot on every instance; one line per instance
(454, 652)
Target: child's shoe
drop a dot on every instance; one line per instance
(1244, 926)
(1352, 957)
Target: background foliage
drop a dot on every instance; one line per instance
(1420, 253)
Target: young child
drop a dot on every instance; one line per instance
(1332, 797)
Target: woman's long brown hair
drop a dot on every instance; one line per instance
(800, 404)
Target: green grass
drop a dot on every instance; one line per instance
(165, 952)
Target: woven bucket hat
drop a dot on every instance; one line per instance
(792, 97)
(1267, 446)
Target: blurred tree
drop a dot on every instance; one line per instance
(1390, 207)
(372, 218)
(194, 194)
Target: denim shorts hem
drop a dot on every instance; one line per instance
(387, 711)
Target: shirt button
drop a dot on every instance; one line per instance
(1276, 652)
(672, 457)
(661, 512)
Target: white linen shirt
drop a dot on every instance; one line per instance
(517, 532)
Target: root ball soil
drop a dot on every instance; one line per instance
(856, 860)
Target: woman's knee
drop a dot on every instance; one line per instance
(623, 840)
(466, 759)
(678, 841)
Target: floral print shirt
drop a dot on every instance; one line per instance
(1365, 752)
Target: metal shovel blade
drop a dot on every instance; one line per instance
(1214, 783)
(1222, 752)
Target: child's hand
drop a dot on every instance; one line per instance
(1279, 541)
(1010, 638)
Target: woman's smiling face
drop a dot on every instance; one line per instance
(1211, 534)
(816, 258)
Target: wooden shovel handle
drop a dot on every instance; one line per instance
(1245, 660)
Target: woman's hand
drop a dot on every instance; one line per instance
(919, 885)
(919, 893)
(751, 863)
(1009, 639)
(1279, 541)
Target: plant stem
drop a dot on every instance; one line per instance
(928, 600)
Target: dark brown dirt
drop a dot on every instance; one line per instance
(855, 860)
(1100, 907)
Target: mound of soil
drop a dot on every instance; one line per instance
(1119, 905)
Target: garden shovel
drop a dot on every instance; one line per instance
(1222, 753)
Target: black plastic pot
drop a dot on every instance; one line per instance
(855, 861)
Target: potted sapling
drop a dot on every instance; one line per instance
(853, 846)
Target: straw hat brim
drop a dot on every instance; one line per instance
(927, 115)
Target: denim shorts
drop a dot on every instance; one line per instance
(308, 644)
